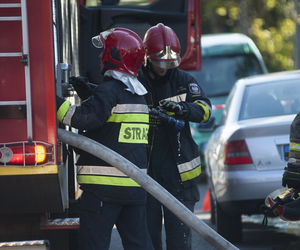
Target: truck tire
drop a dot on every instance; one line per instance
(228, 226)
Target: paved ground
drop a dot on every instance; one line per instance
(279, 235)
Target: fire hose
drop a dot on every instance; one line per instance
(151, 186)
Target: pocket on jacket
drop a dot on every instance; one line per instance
(90, 202)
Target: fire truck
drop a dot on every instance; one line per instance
(42, 44)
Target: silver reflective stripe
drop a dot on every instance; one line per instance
(68, 116)
(101, 170)
(204, 103)
(29, 244)
(130, 108)
(177, 98)
(188, 166)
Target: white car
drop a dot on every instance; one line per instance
(247, 153)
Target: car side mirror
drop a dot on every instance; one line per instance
(208, 126)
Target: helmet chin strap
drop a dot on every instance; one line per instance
(103, 71)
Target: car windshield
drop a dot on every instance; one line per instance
(219, 73)
(270, 99)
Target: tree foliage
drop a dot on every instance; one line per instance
(269, 23)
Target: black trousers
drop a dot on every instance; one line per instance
(97, 219)
(178, 234)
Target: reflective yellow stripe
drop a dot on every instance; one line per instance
(170, 113)
(129, 118)
(191, 174)
(188, 166)
(107, 180)
(134, 133)
(62, 110)
(47, 169)
(294, 146)
(190, 170)
(206, 110)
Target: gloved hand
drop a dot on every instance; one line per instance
(172, 106)
(156, 115)
(291, 175)
(81, 87)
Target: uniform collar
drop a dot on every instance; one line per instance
(133, 84)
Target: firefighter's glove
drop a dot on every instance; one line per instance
(171, 106)
(80, 84)
(291, 175)
(158, 117)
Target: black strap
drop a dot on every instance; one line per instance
(267, 210)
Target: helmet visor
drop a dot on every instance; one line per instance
(166, 58)
(164, 64)
(96, 41)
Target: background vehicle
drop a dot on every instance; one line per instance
(225, 59)
(246, 155)
(42, 44)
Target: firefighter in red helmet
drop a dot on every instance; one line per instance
(285, 202)
(173, 158)
(291, 175)
(110, 115)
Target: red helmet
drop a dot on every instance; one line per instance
(123, 50)
(162, 47)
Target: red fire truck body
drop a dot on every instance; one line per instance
(28, 141)
(41, 66)
(21, 74)
(37, 180)
(33, 176)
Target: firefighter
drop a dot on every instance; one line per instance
(286, 203)
(173, 160)
(291, 175)
(115, 115)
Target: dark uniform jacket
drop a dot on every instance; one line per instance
(181, 87)
(295, 138)
(119, 120)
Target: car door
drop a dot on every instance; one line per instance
(183, 16)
